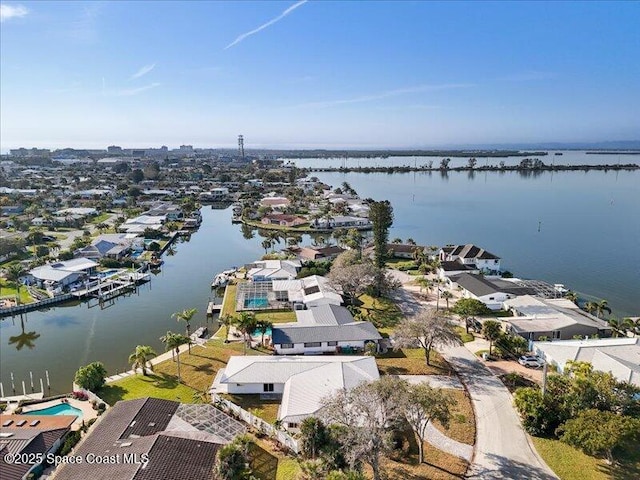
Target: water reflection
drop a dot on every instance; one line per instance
(25, 339)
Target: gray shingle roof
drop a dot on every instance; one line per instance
(326, 333)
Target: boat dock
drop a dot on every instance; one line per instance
(213, 308)
(113, 286)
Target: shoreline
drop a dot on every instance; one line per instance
(491, 168)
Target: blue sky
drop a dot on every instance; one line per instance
(317, 73)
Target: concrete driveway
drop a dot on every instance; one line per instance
(503, 450)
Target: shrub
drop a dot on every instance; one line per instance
(91, 377)
(71, 441)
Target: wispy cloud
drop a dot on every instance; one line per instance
(388, 94)
(268, 24)
(84, 28)
(128, 92)
(528, 76)
(12, 11)
(143, 71)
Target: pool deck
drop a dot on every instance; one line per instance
(85, 406)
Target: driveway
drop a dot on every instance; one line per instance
(503, 449)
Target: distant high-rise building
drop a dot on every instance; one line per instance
(186, 148)
(115, 149)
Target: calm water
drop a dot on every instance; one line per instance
(568, 157)
(589, 239)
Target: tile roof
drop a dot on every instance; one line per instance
(481, 286)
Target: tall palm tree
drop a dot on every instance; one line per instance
(263, 326)
(447, 295)
(140, 357)
(185, 316)
(424, 282)
(172, 341)
(13, 274)
(247, 324)
(618, 326)
(227, 321)
(601, 307)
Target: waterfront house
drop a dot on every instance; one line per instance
(326, 328)
(306, 292)
(56, 276)
(341, 221)
(492, 292)
(301, 382)
(141, 223)
(112, 245)
(30, 437)
(180, 441)
(553, 318)
(283, 220)
(403, 250)
(472, 256)
(620, 356)
(267, 270)
(170, 211)
(275, 202)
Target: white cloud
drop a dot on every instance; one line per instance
(128, 92)
(268, 24)
(12, 11)
(383, 95)
(143, 71)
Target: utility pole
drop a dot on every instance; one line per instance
(544, 378)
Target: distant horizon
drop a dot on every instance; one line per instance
(311, 74)
(622, 145)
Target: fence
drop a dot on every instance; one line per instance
(282, 437)
(90, 395)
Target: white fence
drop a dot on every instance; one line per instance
(282, 437)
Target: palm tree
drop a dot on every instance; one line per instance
(267, 244)
(227, 321)
(13, 274)
(172, 341)
(447, 295)
(263, 326)
(186, 316)
(424, 282)
(590, 307)
(200, 397)
(601, 307)
(573, 296)
(140, 357)
(618, 326)
(247, 324)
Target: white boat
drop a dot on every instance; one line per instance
(223, 278)
(560, 288)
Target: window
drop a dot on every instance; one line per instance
(267, 387)
(293, 425)
(313, 344)
(332, 344)
(286, 345)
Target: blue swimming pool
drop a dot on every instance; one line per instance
(61, 409)
(256, 303)
(258, 333)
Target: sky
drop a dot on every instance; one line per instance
(317, 74)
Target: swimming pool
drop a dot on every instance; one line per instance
(106, 273)
(258, 333)
(256, 303)
(61, 409)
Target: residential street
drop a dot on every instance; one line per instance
(502, 449)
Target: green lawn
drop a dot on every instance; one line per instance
(411, 361)
(277, 317)
(382, 312)
(229, 305)
(464, 336)
(138, 386)
(8, 290)
(462, 426)
(196, 369)
(265, 409)
(571, 464)
(100, 218)
(288, 468)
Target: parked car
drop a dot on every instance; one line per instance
(531, 361)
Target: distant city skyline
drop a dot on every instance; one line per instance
(312, 74)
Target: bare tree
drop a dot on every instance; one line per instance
(369, 413)
(427, 329)
(423, 404)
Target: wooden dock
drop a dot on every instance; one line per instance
(213, 308)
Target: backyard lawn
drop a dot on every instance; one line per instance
(411, 361)
(103, 217)
(382, 312)
(265, 409)
(8, 290)
(197, 370)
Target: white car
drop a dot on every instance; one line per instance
(531, 361)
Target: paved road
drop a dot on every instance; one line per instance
(503, 450)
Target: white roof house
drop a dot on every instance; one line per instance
(263, 270)
(77, 211)
(310, 291)
(302, 381)
(554, 318)
(620, 356)
(63, 273)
